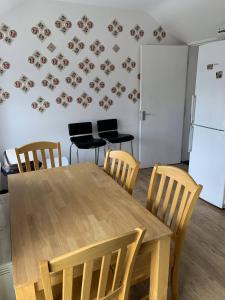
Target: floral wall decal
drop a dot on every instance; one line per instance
(159, 34)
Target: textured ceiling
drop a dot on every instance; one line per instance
(187, 20)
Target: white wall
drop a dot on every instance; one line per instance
(7, 5)
(190, 90)
(19, 123)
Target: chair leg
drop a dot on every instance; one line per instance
(104, 151)
(120, 146)
(175, 280)
(132, 151)
(97, 155)
(77, 156)
(71, 153)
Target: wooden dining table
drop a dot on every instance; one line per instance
(55, 211)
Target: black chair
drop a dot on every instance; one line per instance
(81, 136)
(108, 130)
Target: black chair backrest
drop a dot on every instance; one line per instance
(80, 128)
(107, 125)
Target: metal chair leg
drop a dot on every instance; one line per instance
(97, 155)
(70, 160)
(104, 151)
(131, 144)
(120, 146)
(77, 157)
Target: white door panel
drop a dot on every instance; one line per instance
(210, 100)
(163, 82)
(207, 163)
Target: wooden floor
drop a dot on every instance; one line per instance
(203, 260)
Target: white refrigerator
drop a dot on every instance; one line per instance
(207, 132)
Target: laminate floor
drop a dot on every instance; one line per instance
(203, 261)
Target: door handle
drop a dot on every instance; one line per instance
(144, 114)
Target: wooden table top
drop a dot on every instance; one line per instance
(59, 210)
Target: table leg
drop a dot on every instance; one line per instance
(26, 292)
(160, 258)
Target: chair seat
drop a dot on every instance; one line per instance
(115, 137)
(87, 142)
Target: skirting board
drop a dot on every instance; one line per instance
(6, 282)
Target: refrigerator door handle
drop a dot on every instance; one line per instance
(193, 106)
(191, 132)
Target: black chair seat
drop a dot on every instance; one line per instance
(115, 137)
(87, 142)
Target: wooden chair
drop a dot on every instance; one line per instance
(172, 196)
(33, 148)
(124, 248)
(122, 167)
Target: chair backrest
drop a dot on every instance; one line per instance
(120, 252)
(172, 196)
(30, 152)
(107, 125)
(122, 167)
(80, 128)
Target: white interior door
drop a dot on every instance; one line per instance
(163, 85)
